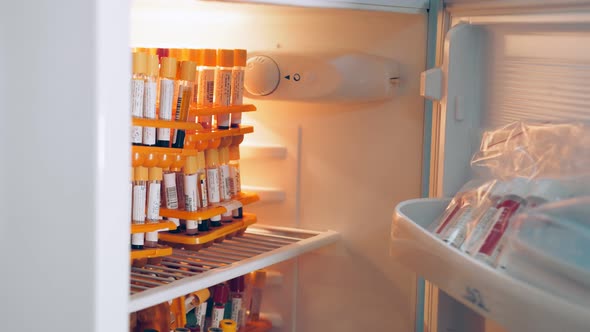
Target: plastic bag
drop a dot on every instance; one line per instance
(519, 166)
(549, 247)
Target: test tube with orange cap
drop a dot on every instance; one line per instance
(149, 98)
(237, 84)
(153, 204)
(139, 198)
(206, 67)
(139, 64)
(213, 182)
(223, 80)
(191, 200)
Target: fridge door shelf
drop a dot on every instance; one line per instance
(514, 304)
(160, 251)
(186, 271)
(244, 198)
(196, 242)
(163, 225)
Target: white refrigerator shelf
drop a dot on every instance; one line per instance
(514, 304)
(187, 271)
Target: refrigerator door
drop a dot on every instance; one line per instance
(502, 61)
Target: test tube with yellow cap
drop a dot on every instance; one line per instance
(185, 90)
(149, 98)
(206, 67)
(191, 196)
(200, 302)
(237, 84)
(167, 104)
(228, 325)
(139, 198)
(223, 80)
(139, 67)
(202, 188)
(213, 182)
(153, 204)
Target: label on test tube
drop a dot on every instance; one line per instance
(137, 239)
(235, 185)
(202, 184)
(149, 103)
(153, 206)
(225, 182)
(491, 247)
(207, 87)
(217, 316)
(166, 104)
(190, 192)
(171, 193)
(455, 231)
(223, 95)
(139, 192)
(137, 87)
(237, 95)
(213, 185)
(236, 310)
(200, 314)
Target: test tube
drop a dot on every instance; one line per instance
(171, 195)
(220, 296)
(200, 301)
(153, 204)
(223, 80)
(191, 193)
(206, 67)
(167, 79)
(228, 325)
(139, 63)
(237, 300)
(258, 279)
(213, 182)
(225, 178)
(194, 56)
(234, 169)
(237, 85)
(185, 90)
(139, 200)
(149, 98)
(202, 188)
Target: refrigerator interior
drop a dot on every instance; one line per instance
(504, 62)
(321, 165)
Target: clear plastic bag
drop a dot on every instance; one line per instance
(519, 166)
(549, 247)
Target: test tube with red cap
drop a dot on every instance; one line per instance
(237, 300)
(220, 295)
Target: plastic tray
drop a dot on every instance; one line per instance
(195, 242)
(151, 252)
(161, 226)
(514, 304)
(244, 198)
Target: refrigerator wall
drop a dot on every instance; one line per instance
(324, 165)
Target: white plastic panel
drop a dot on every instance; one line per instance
(64, 198)
(409, 6)
(489, 292)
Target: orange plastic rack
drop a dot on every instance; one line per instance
(244, 198)
(151, 156)
(144, 228)
(215, 234)
(151, 252)
(222, 110)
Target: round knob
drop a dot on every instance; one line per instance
(262, 75)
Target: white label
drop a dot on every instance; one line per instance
(137, 239)
(166, 104)
(200, 313)
(137, 88)
(213, 185)
(235, 184)
(456, 229)
(225, 182)
(206, 87)
(139, 192)
(149, 111)
(192, 224)
(217, 316)
(482, 227)
(223, 95)
(236, 310)
(231, 205)
(151, 236)
(153, 206)
(171, 193)
(191, 197)
(237, 88)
